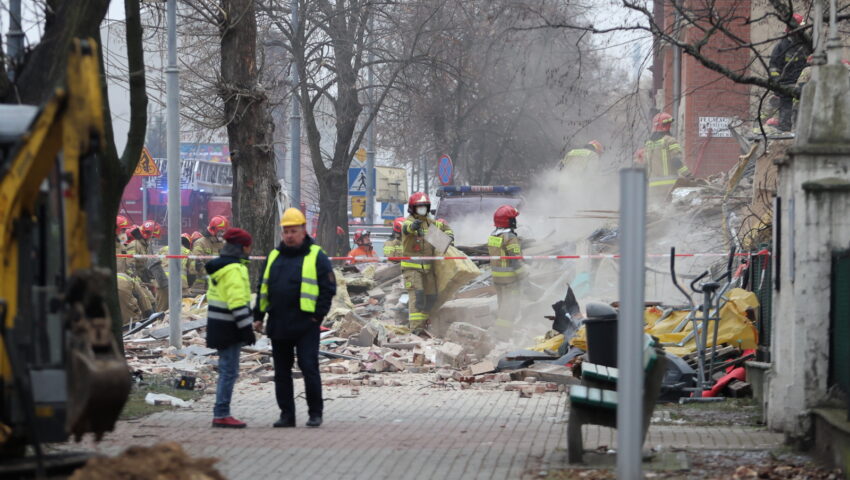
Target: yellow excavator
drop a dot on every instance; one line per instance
(62, 372)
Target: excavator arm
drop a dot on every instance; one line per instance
(61, 369)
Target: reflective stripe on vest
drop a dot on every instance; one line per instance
(309, 280)
(419, 265)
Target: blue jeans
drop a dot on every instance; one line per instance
(228, 372)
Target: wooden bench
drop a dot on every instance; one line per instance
(592, 404)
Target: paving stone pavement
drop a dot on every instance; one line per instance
(412, 431)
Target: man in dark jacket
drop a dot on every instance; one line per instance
(229, 318)
(787, 61)
(296, 291)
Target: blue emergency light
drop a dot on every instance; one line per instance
(465, 189)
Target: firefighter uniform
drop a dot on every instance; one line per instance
(503, 242)
(578, 160)
(135, 304)
(419, 277)
(663, 157)
(138, 267)
(162, 293)
(206, 245)
(393, 248)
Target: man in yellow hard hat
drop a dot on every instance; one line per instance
(296, 291)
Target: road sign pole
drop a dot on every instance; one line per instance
(175, 300)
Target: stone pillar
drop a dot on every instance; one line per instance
(814, 218)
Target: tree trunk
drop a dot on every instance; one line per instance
(45, 69)
(249, 127)
(334, 212)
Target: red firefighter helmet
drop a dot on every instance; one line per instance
(157, 230)
(121, 224)
(147, 229)
(661, 122)
(359, 234)
(217, 224)
(186, 240)
(798, 19)
(397, 223)
(505, 217)
(597, 146)
(195, 235)
(772, 122)
(418, 199)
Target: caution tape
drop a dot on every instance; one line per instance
(599, 256)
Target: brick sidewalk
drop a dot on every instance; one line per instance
(391, 432)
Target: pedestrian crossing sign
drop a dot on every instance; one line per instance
(357, 181)
(146, 166)
(391, 211)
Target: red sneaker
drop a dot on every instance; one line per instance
(227, 422)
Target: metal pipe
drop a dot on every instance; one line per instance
(175, 301)
(372, 133)
(833, 43)
(15, 37)
(295, 123)
(630, 325)
(677, 74)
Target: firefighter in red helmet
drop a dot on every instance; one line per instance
(393, 247)
(209, 245)
(662, 156)
(419, 278)
(363, 246)
(507, 274)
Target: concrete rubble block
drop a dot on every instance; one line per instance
(539, 388)
(445, 374)
(451, 354)
(476, 340)
(419, 358)
(530, 379)
(395, 364)
(352, 366)
(387, 272)
(482, 367)
(377, 366)
(338, 369)
(377, 293)
(349, 325)
(547, 372)
(269, 377)
(526, 392)
(479, 312)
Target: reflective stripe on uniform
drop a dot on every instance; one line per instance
(216, 315)
(415, 264)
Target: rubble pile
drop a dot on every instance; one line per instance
(164, 460)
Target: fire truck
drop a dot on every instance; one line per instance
(206, 181)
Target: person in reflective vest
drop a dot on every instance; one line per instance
(662, 157)
(296, 290)
(229, 317)
(507, 273)
(209, 244)
(579, 160)
(392, 247)
(419, 278)
(185, 243)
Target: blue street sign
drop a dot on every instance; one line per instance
(357, 181)
(391, 211)
(445, 170)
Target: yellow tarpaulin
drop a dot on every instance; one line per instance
(552, 344)
(735, 328)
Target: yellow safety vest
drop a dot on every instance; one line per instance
(309, 280)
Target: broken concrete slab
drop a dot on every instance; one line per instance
(476, 340)
(164, 332)
(547, 372)
(387, 272)
(395, 363)
(451, 354)
(482, 367)
(475, 311)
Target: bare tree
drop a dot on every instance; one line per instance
(43, 69)
(502, 100)
(332, 45)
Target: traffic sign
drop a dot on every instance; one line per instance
(357, 181)
(146, 166)
(391, 211)
(445, 170)
(358, 206)
(360, 157)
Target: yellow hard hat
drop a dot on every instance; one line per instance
(292, 217)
